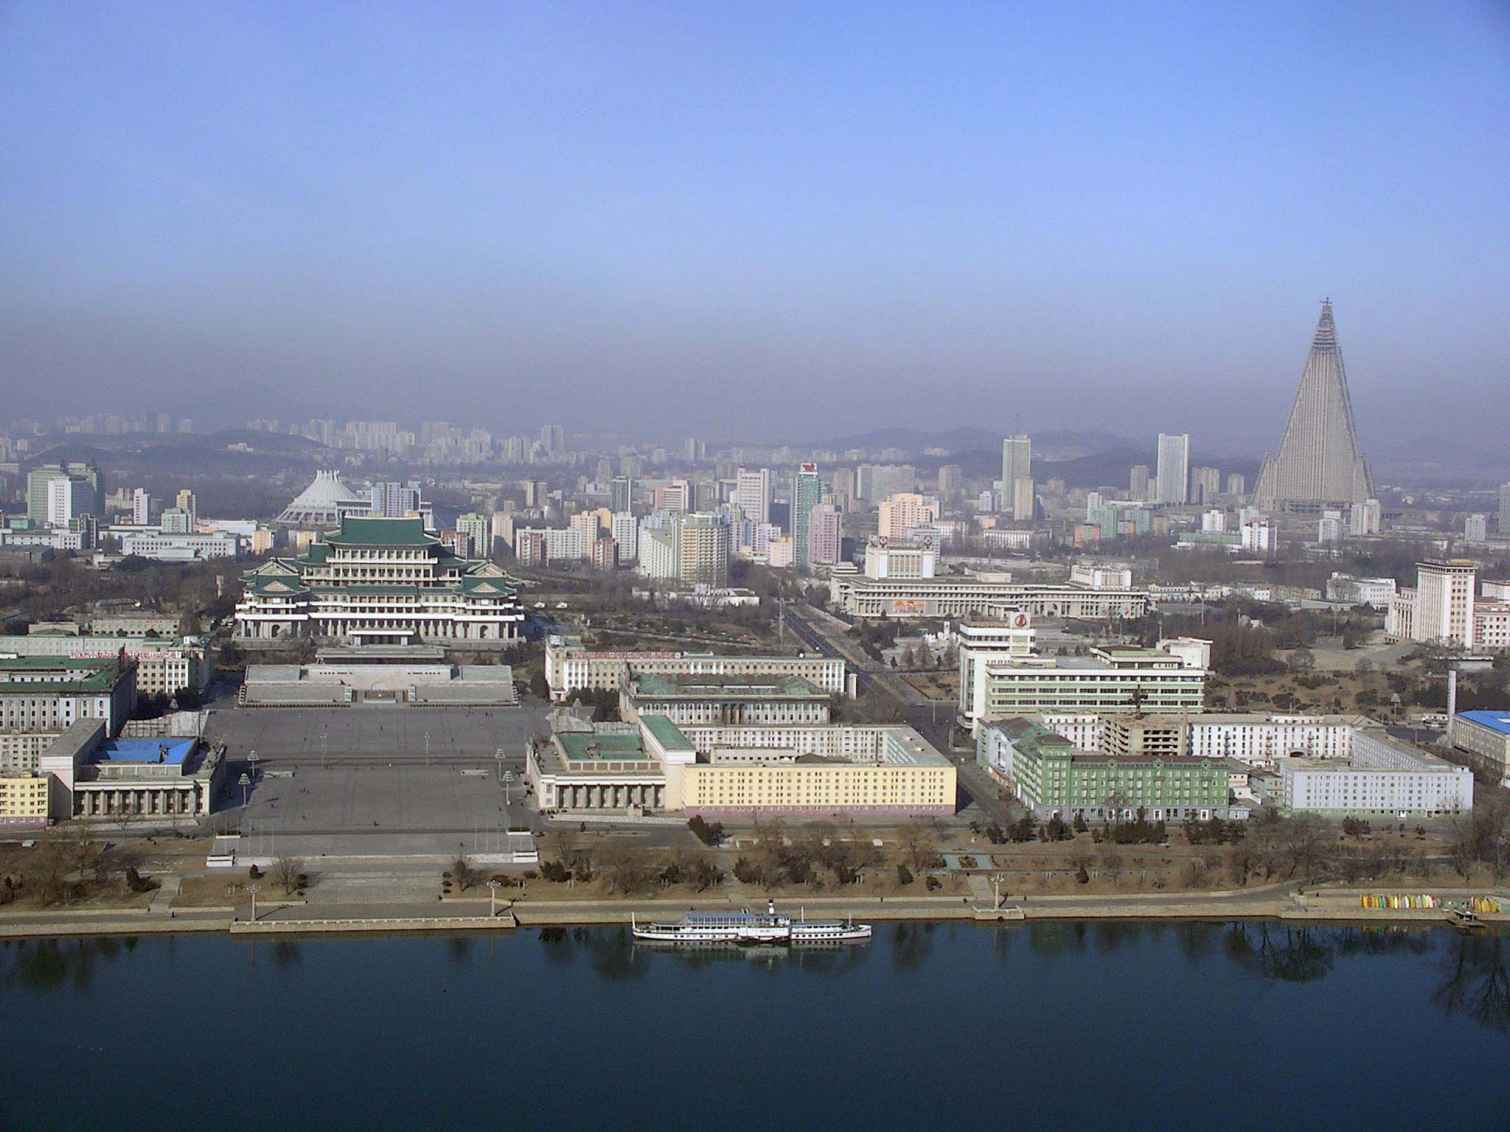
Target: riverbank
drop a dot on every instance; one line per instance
(1279, 902)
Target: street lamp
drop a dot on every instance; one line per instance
(252, 888)
(492, 898)
(251, 757)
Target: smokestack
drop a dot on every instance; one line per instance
(1452, 695)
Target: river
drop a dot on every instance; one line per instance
(1100, 1025)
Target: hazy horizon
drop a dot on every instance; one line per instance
(776, 222)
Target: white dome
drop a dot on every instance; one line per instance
(321, 503)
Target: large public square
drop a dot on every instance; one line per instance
(374, 781)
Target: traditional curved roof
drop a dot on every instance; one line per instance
(320, 504)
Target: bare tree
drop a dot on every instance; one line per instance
(289, 873)
(463, 875)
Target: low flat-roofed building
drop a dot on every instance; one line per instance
(570, 666)
(1115, 678)
(384, 674)
(1484, 736)
(860, 595)
(604, 766)
(1383, 776)
(46, 694)
(91, 775)
(838, 770)
(1260, 739)
(1102, 787)
(685, 699)
(163, 665)
(740, 770)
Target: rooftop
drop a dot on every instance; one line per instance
(169, 751)
(1494, 720)
(666, 733)
(409, 531)
(601, 745)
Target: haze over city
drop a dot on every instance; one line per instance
(778, 223)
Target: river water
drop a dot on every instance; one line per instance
(1101, 1025)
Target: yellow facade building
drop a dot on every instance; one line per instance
(23, 799)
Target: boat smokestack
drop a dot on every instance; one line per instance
(770, 906)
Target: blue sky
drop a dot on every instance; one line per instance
(763, 221)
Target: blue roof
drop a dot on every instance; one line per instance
(173, 751)
(1494, 720)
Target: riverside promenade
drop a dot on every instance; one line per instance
(1275, 902)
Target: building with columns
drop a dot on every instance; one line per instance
(379, 581)
(739, 771)
(91, 775)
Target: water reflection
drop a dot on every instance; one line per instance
(1474, 981)
(53, 964)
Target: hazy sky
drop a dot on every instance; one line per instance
(758, 221)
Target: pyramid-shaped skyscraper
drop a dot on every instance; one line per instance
(1319, 461)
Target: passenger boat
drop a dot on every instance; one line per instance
(748, 928)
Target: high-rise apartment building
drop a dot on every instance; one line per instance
(38, 479)
(1017, 490)
(1476, 528)
(703, 550)
(1205, 484)
(1237, 484)
(1504, 523)
(68, 498)
(673, 495)
(1137, 483)
(905, 510)
(807, 493)
(824, 535)
(752, 491)
(1320, 460)
(1366, 518)
(621, 496)
(473, 528)
(141, 507)
(189, 505)
(842, 484)
(951, 481)
(1440, 609)
(626, 535)
(394, 500)
(1173, 476)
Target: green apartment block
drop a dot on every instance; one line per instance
(1053, 778)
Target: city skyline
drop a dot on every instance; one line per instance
(697, 238)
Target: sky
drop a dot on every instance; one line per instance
(760, 221)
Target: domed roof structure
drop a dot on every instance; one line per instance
(322, 503)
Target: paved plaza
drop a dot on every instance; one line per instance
(359, 782)
(301, 737)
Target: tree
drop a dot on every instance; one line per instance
(289, 873)
(904, 874)
(463, 876)
(913, 840)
